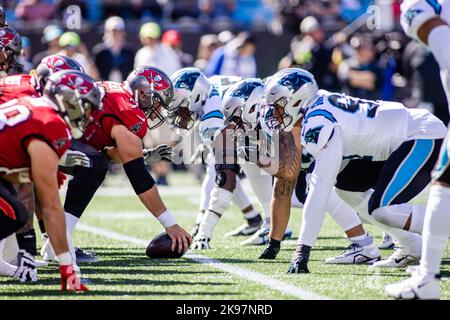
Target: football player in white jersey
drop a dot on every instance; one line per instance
(197, 97)
(241, 107)
(427, 21)
(378, 155)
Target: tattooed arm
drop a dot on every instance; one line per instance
(285, 180)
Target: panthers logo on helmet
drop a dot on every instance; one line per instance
(294, 80)
(246, 90)
(73, 81)
(187, 81)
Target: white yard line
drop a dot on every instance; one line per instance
(137, 214)
(246, 274)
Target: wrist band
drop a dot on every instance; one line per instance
(166, 219)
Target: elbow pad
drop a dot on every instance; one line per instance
(139, 177)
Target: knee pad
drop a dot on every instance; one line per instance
(226, 176)
(384, 215)
(220, 200)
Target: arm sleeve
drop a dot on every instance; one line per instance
(328, 162)
(439, 48)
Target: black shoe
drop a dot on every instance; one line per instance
(270, 252)
(299, 263)
(85, 256)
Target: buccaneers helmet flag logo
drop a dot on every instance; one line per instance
(156, 80)
(5, 37)
(56, 63)
(74, 81)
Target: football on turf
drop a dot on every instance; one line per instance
(160, 247)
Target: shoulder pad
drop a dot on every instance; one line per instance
(316, 132)
(416, 12)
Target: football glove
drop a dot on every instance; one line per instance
(72, 158)
(201, 243)
(26, 267)
(69, 279)
(299, 263)
(161, 152)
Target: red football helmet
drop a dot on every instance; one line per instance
(54, 63)
(153, 90)
(10, 48)
(76, 94)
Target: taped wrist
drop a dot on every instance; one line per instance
(139, 177)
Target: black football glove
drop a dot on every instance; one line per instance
(270, 252)
(299, 263)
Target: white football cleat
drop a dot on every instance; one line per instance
(47, 252)
(200, 243)
(387, 242)
(399, 259)
(260, 237)
(244, 230)
(417, 287)
(41, 263)
(6, 269)
(356, 254)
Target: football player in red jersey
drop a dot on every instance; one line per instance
(35, 133)
(31, 85)
(10, 49)
(116, 135)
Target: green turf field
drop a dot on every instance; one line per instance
(124, 271)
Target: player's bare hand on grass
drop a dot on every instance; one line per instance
(181, 239)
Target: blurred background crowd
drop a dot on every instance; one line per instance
(346, 48)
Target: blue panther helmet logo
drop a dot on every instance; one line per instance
(245, 90)
(294, 80)
(187, 81)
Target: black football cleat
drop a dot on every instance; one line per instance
(270, 252)
(85, 256)
(299, 263)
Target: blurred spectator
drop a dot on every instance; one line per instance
(35, 10)
(422, 70)
(134, 9)
(309, 52)
(236, 58)
(25, 58)
(154, 52)
(72, 46)
(208, 43)
(51, 36)
(185, 8)
(172, 38)
(216, 8)
(114, 57)
(361, 75)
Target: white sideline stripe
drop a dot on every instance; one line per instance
(246, 274)
(137, 214)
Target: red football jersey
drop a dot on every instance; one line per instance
(17, 86)
(119, 107)
(25, 119)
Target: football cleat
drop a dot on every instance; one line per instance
(201, 243)
(85, 256)
(41, 263)
(47, 252)
(417, 287)
(399, 259)
(356, 254)
(261, 236)
(247, 229)
(269, 253)
(299, 262)
(387, 242)
(26, 269)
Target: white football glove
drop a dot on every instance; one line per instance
(200, 243)
(161, 152)
(72, 158)
(26, 269)
(200, 154)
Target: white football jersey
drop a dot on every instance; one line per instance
(371, 130)
(415, 13)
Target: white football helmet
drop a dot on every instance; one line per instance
(241, 103)
(191, 88)
(290, 91)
